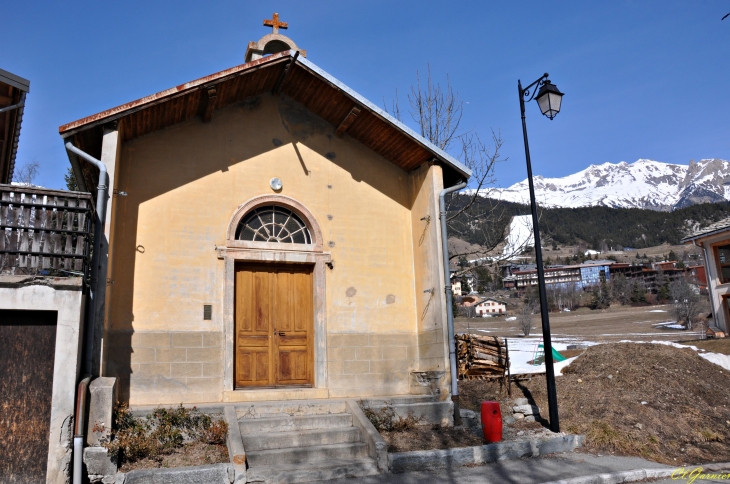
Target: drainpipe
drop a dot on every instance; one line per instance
(79, 427)
(15, 106)
(101, 197)
(449, 298)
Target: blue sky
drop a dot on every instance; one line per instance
(641, 79)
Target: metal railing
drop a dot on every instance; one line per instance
(44, 231)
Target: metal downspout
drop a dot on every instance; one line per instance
(79, 426)
(449, 299)
(88, 350)
(15, 106)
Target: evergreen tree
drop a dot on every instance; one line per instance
(465, 288)
(70, 180)
(638, 295)
(599, 297)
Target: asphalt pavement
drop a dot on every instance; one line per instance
(534, 470)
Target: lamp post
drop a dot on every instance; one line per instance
(549, 100)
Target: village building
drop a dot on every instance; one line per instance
(578, 276)
(271, 235)
(715, 243)
(490, 307)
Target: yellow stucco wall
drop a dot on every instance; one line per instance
(184, 184)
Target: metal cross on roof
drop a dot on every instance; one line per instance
(275, 23)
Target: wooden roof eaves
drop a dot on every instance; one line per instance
(118, 112)
(378, 112)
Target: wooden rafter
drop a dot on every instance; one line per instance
(349, 119)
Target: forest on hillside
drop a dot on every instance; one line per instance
(600, 228)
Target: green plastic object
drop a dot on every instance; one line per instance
(556, 356)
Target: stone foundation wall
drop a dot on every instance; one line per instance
(370, 364)
(163, 367)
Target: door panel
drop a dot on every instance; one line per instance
(27, 352)
(253, 328)
(293, 294)
(274, 324)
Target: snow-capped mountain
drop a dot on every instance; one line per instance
(644, 184)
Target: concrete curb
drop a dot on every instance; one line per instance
(641, 474)
(377, 447)
(435, 459)
(208, 474)
(234, 441)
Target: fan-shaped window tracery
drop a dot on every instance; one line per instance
(273, 223)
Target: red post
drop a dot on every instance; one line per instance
(491, 422)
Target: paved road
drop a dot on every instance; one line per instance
(524, 471)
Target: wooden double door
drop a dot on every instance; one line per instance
(274, 325)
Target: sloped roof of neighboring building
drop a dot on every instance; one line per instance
(712, 229)
(493, 300)
(12, 92)
(292, 76)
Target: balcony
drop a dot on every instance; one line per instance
(45, 232)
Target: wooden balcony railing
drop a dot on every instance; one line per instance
(44, 231)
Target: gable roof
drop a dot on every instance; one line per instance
(294, 77)
(492, 300)
(712, 229)
(13, 90)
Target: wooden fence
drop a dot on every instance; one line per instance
(44, 230)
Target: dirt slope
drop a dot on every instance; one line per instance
(660, 402)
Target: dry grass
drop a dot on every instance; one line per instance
(721, 345)
(384, 419)
(427, 437)
(654, 401)
(166, 438)
(192, 454)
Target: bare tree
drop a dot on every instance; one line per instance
(524, 320)
(687, 301)
(438, 110)
(27, 173)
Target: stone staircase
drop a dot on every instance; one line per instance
(287, 442)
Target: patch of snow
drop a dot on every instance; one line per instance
(657, 311)
(511, 318)
(718, 359)
(520, 236)
(522, 350)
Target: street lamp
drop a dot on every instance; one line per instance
(548, 99)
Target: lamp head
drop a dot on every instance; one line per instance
(549, 99)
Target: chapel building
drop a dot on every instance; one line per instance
(271, 235)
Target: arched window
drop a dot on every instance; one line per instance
(273, 223)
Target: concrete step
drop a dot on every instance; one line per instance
(300, 455)
(302, 438)
(398, 400)
(287, 423)
(293, 408)
(313, 471)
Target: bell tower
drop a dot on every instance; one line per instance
(273, 42)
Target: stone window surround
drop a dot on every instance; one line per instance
(312, 254)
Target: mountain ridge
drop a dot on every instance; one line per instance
(645, 184)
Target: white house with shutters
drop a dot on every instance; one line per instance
(491, 307)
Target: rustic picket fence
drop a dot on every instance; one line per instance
(44, 230)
